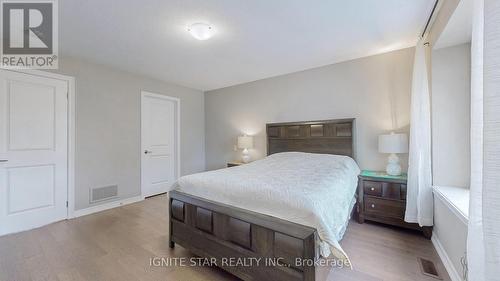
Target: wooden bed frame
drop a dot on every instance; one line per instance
(229, 234)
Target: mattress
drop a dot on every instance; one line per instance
(316, 190)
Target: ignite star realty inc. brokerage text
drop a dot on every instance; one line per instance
(240, 262)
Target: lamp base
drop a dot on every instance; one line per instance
(245, 157)
(393, 167)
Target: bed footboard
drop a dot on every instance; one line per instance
(250, 245)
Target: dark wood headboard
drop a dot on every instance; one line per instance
(327, 136)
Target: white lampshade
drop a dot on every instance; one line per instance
(393, 143)
(245, 142)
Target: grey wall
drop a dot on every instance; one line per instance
(108, 127)
(451, 116)
(375, 90)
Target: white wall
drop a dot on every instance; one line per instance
(451, 146)
(451, 116)
(375, 90)
(451, 233)
(108, 127)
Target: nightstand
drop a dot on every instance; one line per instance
(233, 164)
(382, 198)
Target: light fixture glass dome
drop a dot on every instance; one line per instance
(201, 31)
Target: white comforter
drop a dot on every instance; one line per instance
(316, 190)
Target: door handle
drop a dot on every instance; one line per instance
(4, 160)
(147, 151)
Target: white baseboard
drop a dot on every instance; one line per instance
(452, 271)
(106, 206)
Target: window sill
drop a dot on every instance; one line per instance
(456, 199)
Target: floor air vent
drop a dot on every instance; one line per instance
(429, 268)
(103, 193)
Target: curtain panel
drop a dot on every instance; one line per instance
(483, 241)
(419, 198)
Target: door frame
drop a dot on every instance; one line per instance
(177, 130)
(70, 80)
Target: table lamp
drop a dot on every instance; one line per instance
(393, 144)
(245, 142)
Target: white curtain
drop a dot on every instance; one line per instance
(475, 242)
(419, 200)
(483, 240)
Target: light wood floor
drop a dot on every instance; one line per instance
(118, 244)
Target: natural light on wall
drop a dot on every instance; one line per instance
(201, 31)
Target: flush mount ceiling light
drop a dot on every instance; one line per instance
(201, 31)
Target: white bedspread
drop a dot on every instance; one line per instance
(316, 190)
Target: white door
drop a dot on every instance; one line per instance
(33, 151)
(159, 165)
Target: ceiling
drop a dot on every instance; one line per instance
(458, 30)
(254, 39)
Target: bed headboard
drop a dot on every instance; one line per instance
(327, 136)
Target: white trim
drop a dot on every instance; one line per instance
(178, 129)
(106, 206)
(71, 145)
(43, 74)
(448, 265)
(451, 206)
(71, 129)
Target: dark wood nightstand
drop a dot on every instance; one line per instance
(233, 164)
(382, 198)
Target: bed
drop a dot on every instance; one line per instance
(282, 212)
